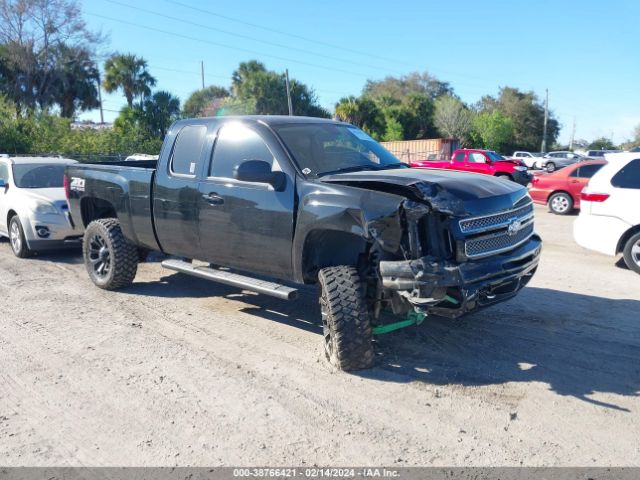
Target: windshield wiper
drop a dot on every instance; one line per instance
(357, 168)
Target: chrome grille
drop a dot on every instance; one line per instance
(495, 243)
(496, 221)
(498, 232)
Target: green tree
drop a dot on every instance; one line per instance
(493, 129)
(263, 92)
(453, 119)
(159, 111)
(401, 87)
(602, 143)
(32, 34)
(363, 113)
(393, 130)
(128, 73)
(205, 102)
(527, 114)
(75, 81)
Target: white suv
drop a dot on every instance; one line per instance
(33, 206)
(609, 220)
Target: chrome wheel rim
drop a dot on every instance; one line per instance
(15, 237)
(326, 329)
(551, 167)
(560, 204)
(99, 256)
(635, 252)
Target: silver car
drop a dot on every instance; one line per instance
(555, 160)
(33, 206)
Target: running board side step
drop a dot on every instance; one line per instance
(233, 279)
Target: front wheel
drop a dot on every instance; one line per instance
(560, 203)
(111, 259)
(348, 337)
(551, 167)
(18, 241)
(631, 253)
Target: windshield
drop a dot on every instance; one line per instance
(38, 175)
(495, 157)
(321, 149)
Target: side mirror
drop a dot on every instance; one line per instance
(259, 171)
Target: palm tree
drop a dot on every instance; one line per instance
(160, 111)
(129, 73)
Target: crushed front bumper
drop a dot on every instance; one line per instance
(453, 289)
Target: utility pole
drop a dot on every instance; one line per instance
(202, 72)
(546, 119)
(286, 77)
(573, 134)
(100, 95)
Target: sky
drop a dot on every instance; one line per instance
(584, 52)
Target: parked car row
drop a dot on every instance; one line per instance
(487, 162)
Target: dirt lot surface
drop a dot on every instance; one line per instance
(176, 370)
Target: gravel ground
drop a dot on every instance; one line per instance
(179, 371)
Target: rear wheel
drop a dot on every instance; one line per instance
(560, 203)
(111, 259)
(18, 241)
(347, 333)
(631, 253)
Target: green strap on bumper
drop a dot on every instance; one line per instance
(412, 318)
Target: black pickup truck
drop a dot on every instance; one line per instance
(277, 201)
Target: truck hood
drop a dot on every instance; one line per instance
(452, 192)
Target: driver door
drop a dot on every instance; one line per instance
(245, 225)
(477, 162)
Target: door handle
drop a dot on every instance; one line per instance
(213, 198)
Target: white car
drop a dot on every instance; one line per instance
(609, 220)
(33, 206)
(529, 159)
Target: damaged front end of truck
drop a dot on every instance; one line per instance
(449, 246)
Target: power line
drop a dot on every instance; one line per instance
(217, 44)
(247, 37)
(343, 48)
(291, 35)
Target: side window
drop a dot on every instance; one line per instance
(587, 171)
(475, 157)
(4, 171)
(576, 172)
(187, 149)
(628, 176)
(236, 144)
(459, 157)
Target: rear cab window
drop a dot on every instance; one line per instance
(187, 150)
(628, 176)
(459, 157)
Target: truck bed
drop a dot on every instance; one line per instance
(125, 185)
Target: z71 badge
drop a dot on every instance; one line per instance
(76, 184)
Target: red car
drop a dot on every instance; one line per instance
(561, 189)
(482, 161)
